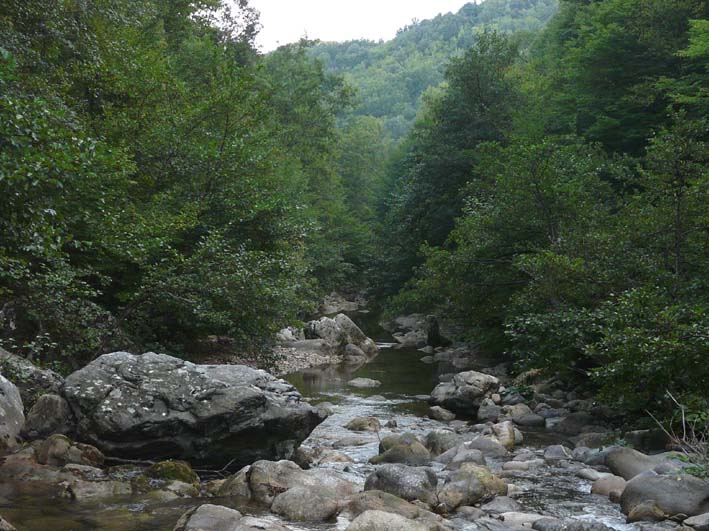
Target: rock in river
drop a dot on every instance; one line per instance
(12, 417)
(441, 414)
(364, 383)
(406, 482)
(31, 380)
(156, 405)
(217, 518)
(649, 496)
(340, 332)
(465, 392)
(383, 521)
(49, 415)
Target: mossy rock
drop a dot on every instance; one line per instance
(388, 442)
(414, 454)
(494, 485)
(173, 471)
(141, 484)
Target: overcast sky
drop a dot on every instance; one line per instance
(286, 21)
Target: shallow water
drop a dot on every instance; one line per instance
(406, 383)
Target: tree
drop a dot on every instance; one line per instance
(441, 154)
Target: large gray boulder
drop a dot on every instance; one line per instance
(49, 415)
(12, 416)
(383, 521)
(156, 405)
(649, 496)
(376, 500)
(410, 453)
(700, 522)
(268, 479)
(468, 485)
(409, 331)
(407, 482)
(628, 463)
(217, 518)
(307, 504)
(465, 392)
(32, 381)
(339, 332)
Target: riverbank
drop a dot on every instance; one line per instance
(384, 458)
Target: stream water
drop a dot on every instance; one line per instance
(406, 383)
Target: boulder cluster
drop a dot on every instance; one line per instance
(466, 470)
(327, 340)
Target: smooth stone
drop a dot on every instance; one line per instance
(12, 416)
(466, 455)
(556, 453)
(267, 479)
(469, 485)
(49, 415)
(649, 494)
(347, 442)
(699, 522)
(59, 450)
(406, 482)
(439, 442)
(590, 474)
(364, 424)
(502, 504)
(383, 521)
(414, 454)
(487, 446)
(612, 486)
(440, 414)
(306, 504)
(469, 513)
(529, 420)
(364, 383)
(383, 501)
(628, 463)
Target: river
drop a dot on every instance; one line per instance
(406, 383)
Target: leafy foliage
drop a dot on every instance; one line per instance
(576, 236)
(162, 183)
(392, 76)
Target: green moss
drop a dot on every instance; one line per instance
(140, 484)
(173, 470)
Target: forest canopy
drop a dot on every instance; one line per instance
(162, 183)
(555, 197)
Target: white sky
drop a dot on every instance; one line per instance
(286, 21)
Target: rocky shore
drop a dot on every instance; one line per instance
(325, 341)
(207, 447)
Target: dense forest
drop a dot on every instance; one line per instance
(390, 77)
(555, 197)
(162, 183)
